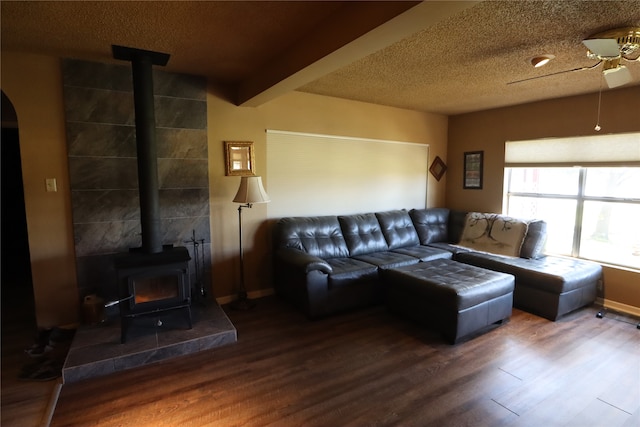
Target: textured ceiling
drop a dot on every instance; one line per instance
(466, 62)
(446, 57)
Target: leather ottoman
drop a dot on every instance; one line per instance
(453, 298)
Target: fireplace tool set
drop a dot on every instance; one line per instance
(198, 257)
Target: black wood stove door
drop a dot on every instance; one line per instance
(152, 283)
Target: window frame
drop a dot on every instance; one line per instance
(580, 198)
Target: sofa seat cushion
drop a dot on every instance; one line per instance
(347, 271)
(424, 253)
(449, 247)
(362, 234)
(388, 259)
(551, 274)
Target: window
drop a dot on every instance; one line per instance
(586, 189)
(591, 212)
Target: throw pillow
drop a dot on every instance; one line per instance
(493, 233)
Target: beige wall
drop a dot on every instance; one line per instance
(34, 86)
(296, 112)
(574, 116)
(488, 130)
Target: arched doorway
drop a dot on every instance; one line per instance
(18, 307)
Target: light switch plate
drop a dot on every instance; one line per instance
(51, 185)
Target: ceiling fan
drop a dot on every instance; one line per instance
(610, 48)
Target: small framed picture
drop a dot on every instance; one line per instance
(472, 179)
(438, 168)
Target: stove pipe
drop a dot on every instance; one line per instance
(147, 156)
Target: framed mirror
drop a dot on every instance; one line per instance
(239, 158)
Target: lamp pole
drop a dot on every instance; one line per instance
(242, 303)
(249, 192)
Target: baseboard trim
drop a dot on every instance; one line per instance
(252, 295)
(622, 308)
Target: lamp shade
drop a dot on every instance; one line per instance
(251, 191)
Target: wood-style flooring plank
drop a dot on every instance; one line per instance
(369, 367)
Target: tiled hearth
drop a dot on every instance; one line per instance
(97, 351)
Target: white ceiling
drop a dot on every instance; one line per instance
(447, 57)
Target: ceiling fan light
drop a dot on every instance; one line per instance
(618, 76)
(540, 60)
(613, 43)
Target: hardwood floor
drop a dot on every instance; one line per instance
(24, 403)
(371, 368)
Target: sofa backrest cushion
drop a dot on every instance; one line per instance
(457, 220)
(319, 236)
(533, 245)
(362, 233)
(398, 229)
(432, 224)
(494, 233)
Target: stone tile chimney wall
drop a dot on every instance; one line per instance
(101, 141)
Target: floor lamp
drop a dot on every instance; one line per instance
(251, 191)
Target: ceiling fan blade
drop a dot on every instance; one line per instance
(617, 76)
(556, 73)
(603, 48)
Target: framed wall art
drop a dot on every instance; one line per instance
(472, 179)
(239, 158)
(438, 168)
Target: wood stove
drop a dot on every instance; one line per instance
(155, 277)
(149, 284)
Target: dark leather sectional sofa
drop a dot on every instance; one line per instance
(326, 264)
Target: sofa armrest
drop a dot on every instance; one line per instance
(303, 260)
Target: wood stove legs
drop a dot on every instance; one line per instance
(189, 317)
(127, 320)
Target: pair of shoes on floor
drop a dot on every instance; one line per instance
(48, 339)
(38, 350)
(41, 345)
(42, 370)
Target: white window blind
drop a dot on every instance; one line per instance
(311, 174)
(597, 150)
